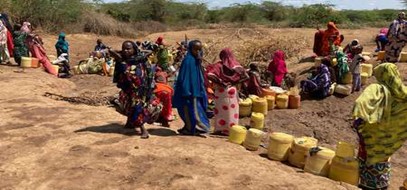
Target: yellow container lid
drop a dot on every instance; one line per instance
(325, 153)
(257, 115)
(255, 132)
(305, 142)
(239, 129)
(259, 100)
(364, 74)
(345, 150)
(282, 97)
(252, 97)
(246, 102)
(281, 137)
(270, 97)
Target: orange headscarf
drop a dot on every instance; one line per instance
(332, 33)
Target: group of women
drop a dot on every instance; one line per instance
(20, 41)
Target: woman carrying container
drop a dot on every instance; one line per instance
(226, 74)
(380, 122)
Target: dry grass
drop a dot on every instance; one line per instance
(257, 45)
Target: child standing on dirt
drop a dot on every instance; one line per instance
(354, 67)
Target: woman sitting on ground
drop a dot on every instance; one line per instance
(277, 68)
(226, 74)
(318, 84)
(254, 85)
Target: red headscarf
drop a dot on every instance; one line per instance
(278, 67)
(227, 69)
(331, 32)
(160, 41)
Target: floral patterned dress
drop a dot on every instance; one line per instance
(137, 85)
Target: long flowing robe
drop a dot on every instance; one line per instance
(278, 68)
(190, 97)
(135, 79)
(331, 37)
(38, 51)
(20, 47)
(380, 120)
(228, 73)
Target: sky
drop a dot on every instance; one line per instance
(340, 4)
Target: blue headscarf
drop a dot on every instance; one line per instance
(61, 44)
(190, 81)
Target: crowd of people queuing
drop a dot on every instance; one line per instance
(142, 72)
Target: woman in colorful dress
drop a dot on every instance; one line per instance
(226, 74)
(164, 92)
(380, 121)
(135, 78)
(190, 96)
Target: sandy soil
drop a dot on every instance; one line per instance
(51, 144)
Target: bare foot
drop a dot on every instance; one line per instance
(144, 133)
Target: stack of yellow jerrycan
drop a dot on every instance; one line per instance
(319, 161)
(253, 139)
(279, 146)
(367, 68)
(237, 134)
(245, 107)
(299, 150)
(260, 105)
(364, 77)
(271, 102)
(257, 120)
(282, 101)
(344, 166)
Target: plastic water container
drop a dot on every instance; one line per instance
(260, 105)
(366, 54)
(403, 57)
(318, 61)
(257, 120)
(237, 134)
(332, 88)
(279, 146)
(111, 71)
(271, 102)
(364, 78)
(252, 97)
(299, 150)
(253, 139)
(320, 162)
(245, 107)
(268, 92)
(35, 63)
(345, 170)
(348, 78)
(345, 150)
(343, 89)
(367, 68)
(56, 68)
(381, 55)
(294, 101)
(282, 101)
(334, 62)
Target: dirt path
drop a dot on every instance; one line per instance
(50, 144)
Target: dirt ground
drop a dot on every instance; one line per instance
(47, 143)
